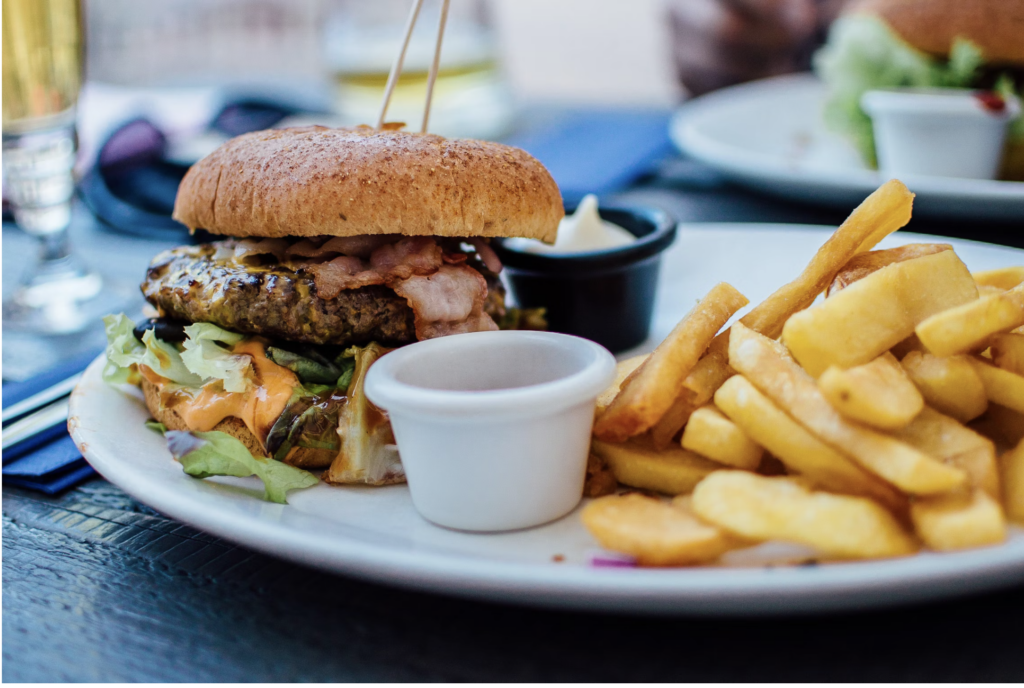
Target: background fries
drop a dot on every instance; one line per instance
(645, 398)
(874, 314)
(905, 352)
(760, 508)
(878, 393)
(711, 434)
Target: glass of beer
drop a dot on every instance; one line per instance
(42, 67)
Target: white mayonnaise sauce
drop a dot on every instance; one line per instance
(584, 230)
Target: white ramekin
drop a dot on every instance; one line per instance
(938, 132)
(493, 427)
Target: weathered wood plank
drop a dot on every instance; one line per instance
(97, 587)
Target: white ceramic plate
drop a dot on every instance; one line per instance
(769, 135)
(374, 532)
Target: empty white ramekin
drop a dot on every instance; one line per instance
(939, 132)
(493, 427)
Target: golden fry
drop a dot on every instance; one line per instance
(656, 533)
(669, 425)
(797, 448)
(1001, 386)
(959, 520)
(711, 434)
(878, 393)
(646, 398)
(863, 264)
(1013, 483)
(789, 386)
(623, 370)
(636, 463)
(1008, 352)
(760, 508)
(871, 316)
(949, 383)
(1000, 278)
(969, 326)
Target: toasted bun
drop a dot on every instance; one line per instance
(310, 181)
(996, 26)
(300, 456)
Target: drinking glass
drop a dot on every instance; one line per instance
(42, 73)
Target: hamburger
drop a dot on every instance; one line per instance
(334, 246)
(976, 45)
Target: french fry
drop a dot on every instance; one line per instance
(784, 382)
(969, 326)
(1000, 278)
(600, 480)
(1001, 386)
(1008, 352)
(988, 290)
(647, 397)
(883, 212)
(874, 314)
(949, 383)
(911, 343)
(878, 393)
(668, 426)
(955, 445)
(1003, 426)
(958, 520)
(1013, 482)
(714, 436)
(759, 508)
(863, 264)
(797, 448)
(655, 533)
(623, 370)
(636, 463)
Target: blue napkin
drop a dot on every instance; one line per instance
(598, 151)
(48, 462)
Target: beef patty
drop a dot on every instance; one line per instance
(271, 300)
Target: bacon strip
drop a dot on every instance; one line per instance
(344, 272)
(449, 301)
(407, 257)
(258, 247)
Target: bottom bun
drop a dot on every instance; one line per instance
(302, 457)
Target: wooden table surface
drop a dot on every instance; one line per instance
(98, 587)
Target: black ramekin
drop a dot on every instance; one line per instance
(606, 296)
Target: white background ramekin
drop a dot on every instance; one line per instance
(937, 132)
(493, 427)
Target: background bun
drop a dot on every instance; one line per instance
(299, 456)
(309, 181)
(996, 26)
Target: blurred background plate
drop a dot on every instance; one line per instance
(375, 533)
(769, 135)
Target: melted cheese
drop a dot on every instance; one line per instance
(259, 407)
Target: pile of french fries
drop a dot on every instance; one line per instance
(885, 419)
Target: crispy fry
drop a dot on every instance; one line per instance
(958, 520)
(711, 434)
(783, 381)
(863, 264)
(669, 425)
(968, 327)
(949, 383)
(1000, 278)
(1001, 386)
(871, 316)
(883, 212)
(760, 508)
(656, 533)
(1008, 352)
(797, 448)
(636, 463)
(1013, 482)
(878, 393)
(623, 370)
(955, 445)
(649, 395)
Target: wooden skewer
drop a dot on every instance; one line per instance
(396, 68)
(433, 67)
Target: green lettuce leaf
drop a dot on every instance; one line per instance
(204, 357)
(313, 368)
(206, 454)
(156, 426)
(124, 350)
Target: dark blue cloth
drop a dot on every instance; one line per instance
(48, 461)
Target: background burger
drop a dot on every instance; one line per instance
(339, 244)
(923, 43)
